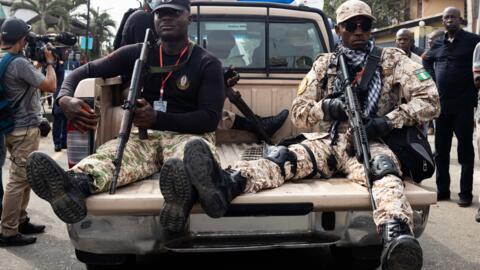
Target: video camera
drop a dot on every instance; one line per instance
(36, 45)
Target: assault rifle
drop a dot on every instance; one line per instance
(231, 78)
(360, 140)
(129, 106)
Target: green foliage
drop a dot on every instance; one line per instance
(60, 9)
(101, 29)
(385, 12)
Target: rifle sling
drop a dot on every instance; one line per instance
(370, 67)
(172, 68)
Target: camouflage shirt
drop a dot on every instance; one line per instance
(402, 79)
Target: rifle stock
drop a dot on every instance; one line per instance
(231, 78)
(129, 106)
(360, 140)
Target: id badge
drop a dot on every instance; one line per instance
(160, 105)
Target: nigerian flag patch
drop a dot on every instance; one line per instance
(422, 74)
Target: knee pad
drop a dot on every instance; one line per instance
(381, 166)
(281, 154)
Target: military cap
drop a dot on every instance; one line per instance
(352, 8)
(175, 4)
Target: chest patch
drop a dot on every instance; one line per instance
(303, 86)
(422, 75)
(183, 83)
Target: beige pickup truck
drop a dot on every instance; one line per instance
(304, 214)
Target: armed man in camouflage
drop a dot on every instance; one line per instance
(399, 94)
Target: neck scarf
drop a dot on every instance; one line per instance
(357, 59)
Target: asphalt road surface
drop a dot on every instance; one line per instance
(450, 241)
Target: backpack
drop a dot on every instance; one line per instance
(6, 109)
(118, 36)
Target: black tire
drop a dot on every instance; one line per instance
(358, 258)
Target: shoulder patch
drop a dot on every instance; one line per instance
(303, 86)
(422, 74)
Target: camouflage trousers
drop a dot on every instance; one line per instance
(388, 192)
(141, 158)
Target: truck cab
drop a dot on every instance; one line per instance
(272, 46)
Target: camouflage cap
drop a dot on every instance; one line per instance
(352, 8)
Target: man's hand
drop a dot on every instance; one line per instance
(145, 115)
(377, 127)
(48, 53)
(334, 109)
(79, 113)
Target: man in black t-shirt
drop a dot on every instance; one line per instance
(176, 106)
(133, 31)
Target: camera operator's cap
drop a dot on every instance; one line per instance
(13, 29)
(352, 8)
(175, 4)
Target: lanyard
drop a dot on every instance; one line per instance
(171, 72)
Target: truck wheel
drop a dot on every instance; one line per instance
(367, 257)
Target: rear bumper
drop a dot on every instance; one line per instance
(142, 235)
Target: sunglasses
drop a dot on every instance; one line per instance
(351, 26)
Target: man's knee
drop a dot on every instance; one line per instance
(280, 155)
(383, 165)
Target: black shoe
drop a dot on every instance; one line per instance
(273, 123)
(215, 187)
(443, 197)
(464, 202)
(57, 148)
(29, 228)
(16, 240)
(477, 216)
(64, 146)
(401, 250)
(65, 191)
(178, 194)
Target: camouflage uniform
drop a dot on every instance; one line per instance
(141, 158)
(400, 79)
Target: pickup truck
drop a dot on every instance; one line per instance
(272, 46)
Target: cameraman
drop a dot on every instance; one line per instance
(21, 81)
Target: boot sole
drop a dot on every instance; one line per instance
(200, 165)
(49, 182)
(404, 254)
(178, 194)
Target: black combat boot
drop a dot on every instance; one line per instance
(401, 251)
(178, 193)
(65, 191)
(216, 187)
(271, 123)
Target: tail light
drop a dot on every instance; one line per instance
(79, 144)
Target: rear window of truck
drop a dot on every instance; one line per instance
(240, 42)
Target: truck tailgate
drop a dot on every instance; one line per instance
(144, 197)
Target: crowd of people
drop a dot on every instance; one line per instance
(183, 132)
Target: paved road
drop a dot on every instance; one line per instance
(451, 239)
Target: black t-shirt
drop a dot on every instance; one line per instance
(136, 26)
(195, 93)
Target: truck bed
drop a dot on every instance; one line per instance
(144, 197)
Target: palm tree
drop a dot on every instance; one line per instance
(60, 9)
(101, 25)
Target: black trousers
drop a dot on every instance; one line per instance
(59, 131)
(461, 124)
